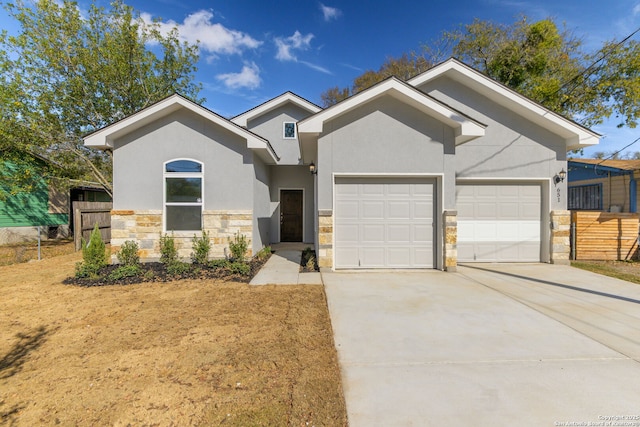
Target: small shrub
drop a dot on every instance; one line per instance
(128, 253)
(149, 275)
(311, 263)
(241, 268)
(218, 263)
(201, 248)
(94, 255)
(84, 270)
(238, 247)
(264, 252)
(178, 268)
(124, 271)
(168, 251)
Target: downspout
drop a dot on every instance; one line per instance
(633, 194)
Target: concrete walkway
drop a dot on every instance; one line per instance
(526, 345)
(283, 268)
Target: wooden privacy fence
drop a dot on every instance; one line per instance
(86, 215)
(604, 235)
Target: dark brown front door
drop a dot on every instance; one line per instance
(291, 215)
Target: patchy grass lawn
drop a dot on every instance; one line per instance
(23, 252)
(629, 271)
(180, 353)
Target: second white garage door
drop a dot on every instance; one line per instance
(384, 223)
(498, 222)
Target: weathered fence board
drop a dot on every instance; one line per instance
(86, 215)
(604, 235)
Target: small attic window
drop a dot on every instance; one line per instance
(289, 130)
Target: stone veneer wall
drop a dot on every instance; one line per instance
(325, 239)
(560, 240)
(145, 227)
(450, 223)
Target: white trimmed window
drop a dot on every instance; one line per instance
(289, 130)
(183, 190)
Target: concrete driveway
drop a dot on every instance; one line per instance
(491, 345)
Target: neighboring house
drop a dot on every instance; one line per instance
(449, 167)
(47, 206)
(603, 185)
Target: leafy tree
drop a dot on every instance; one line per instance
(67, 74)
(536, 59)
(617, 79)
(404, 67)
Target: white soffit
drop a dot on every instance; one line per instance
(287, 97)
(575, 135)
(103, 138)
(465, 127)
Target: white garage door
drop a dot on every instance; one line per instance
(384, 223)
(498, 222)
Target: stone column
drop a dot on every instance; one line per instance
(450, 223)
(325, 238)
(560, 241)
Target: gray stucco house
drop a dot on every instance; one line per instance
(448, 167)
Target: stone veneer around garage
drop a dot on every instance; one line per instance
(450, 222)
(145, 227)
(325, 238)
(560, 240)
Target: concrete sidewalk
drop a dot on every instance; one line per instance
(476, 348)
(283, 268)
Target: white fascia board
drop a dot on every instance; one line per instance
(575, 135)
(465, 127)
(104, 138)
(287, 97)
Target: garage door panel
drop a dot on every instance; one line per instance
(372, 209)
(373, 233)
(484, 210)
(349, 233)
(422, 210)
(347, 189)
(401, 190)
(530, 211)
(399, 257)
(372, 190)
(509, 211)
(420, 255)
(350, 209)
(399, 233)
(499, 222)
(422, 233)
(348, 256)
(372, 257)
(393, 227)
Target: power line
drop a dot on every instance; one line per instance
(584, 72)
(615, 153)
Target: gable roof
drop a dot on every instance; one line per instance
(103, 138)
(576, 136)
(465, 128)
(287, 97)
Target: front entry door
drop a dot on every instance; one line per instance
(291, 215)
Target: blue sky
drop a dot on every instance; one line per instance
(252, 51)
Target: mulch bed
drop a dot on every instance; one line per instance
(157, 272)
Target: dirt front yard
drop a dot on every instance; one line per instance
(179, 353)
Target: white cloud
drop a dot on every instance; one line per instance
(330, 13)
(636, 9)
(296, 42)
(248, 78)
(214, 38)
